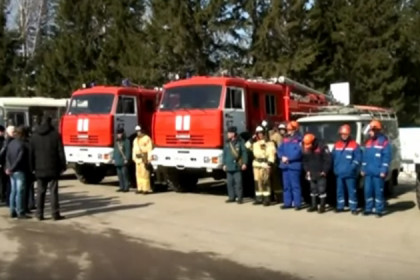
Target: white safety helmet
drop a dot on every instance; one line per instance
(282, 126)
(259, 129)
(264, 123)
(138, 128)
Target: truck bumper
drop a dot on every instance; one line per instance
(88, 155)
(208, 159)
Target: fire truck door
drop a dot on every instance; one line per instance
(126, 115)
(234, 109)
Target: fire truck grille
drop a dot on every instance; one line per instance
(191, 139)
(78, 139)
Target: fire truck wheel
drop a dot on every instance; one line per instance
(418, 190)
(184, 183)
(90, 175)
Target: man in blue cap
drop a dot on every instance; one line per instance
(235, 158)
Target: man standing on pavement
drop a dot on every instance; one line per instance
(2, 174)
(376, 159)
(48, 163)
(17, 165)
(290, 156)
(121, 156)
(29, 177)
(10, 134)
(316, 164)
(347, 157)
(235, 158)
(264, 152)
(275, 183)
(142, 148)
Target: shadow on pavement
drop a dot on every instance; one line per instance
(86, 204)
(74, 254)
(400, 206)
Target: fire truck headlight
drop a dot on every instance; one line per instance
(206, 159)
(107, 156)
(215, 160)
(154, 157)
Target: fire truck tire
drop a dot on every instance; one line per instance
(90, 175)
(418, 190)
(185, 183)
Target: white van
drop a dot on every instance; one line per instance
(325, 126)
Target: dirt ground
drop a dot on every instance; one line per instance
(108, 235)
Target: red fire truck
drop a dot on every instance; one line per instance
(190, 124)
(89, 126)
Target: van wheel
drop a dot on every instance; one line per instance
(90, 174)
(418, 190)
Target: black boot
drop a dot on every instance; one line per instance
(267, 201)
(313, 207)
(258, 200)
(322, 205)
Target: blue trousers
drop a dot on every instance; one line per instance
(234, 184)
(374, 194)
(122, 173)
(17, 193)
(291, 188)
(346, 185)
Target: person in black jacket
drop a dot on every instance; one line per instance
(48, 161)
(29, 186)
(5, 192)
(3, 183)
(316, 165)
(17, 165)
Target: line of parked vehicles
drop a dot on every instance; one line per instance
(187, 120)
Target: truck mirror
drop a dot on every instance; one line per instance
(366, 130)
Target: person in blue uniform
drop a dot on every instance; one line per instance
(290, 156)
(376, 159)
(347, 158)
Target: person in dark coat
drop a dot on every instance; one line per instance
(121, 158)
(316, 165)
(10, 131)
(235, 159)
(3, 184)
(30, 179)
(17, 165)
(48, 162)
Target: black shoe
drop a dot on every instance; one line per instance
(266, 201)
(298, 208)
(284, 207)
(138, 192)
(378, 215)
(230, 200)
(40, 218)
(119, 190)
(258, 200)
(354, 212)
(322, 205)
(13, 215)
(339, 210)
(126, 191)
(366, 213)
(24, 217)
(58, 217)
(240, 201)
(312, 209)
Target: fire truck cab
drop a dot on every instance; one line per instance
(92, 119)
(189, 127)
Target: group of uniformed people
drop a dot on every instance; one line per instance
(140, 155)
(281, 156)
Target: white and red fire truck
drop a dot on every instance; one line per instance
(190, 124)
(90, 123)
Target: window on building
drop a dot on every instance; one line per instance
(270, 104)
(234, 98)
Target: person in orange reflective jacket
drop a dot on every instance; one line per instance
(376, 159)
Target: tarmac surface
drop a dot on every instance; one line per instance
(108, 235)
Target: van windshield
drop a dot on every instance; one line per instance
(327, 131)
(98, 103)
(191, 97)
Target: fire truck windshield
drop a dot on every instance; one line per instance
(91, 104)
(191, 97)
(327, 132)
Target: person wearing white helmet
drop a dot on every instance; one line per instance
(142, 149)
(264, 156)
